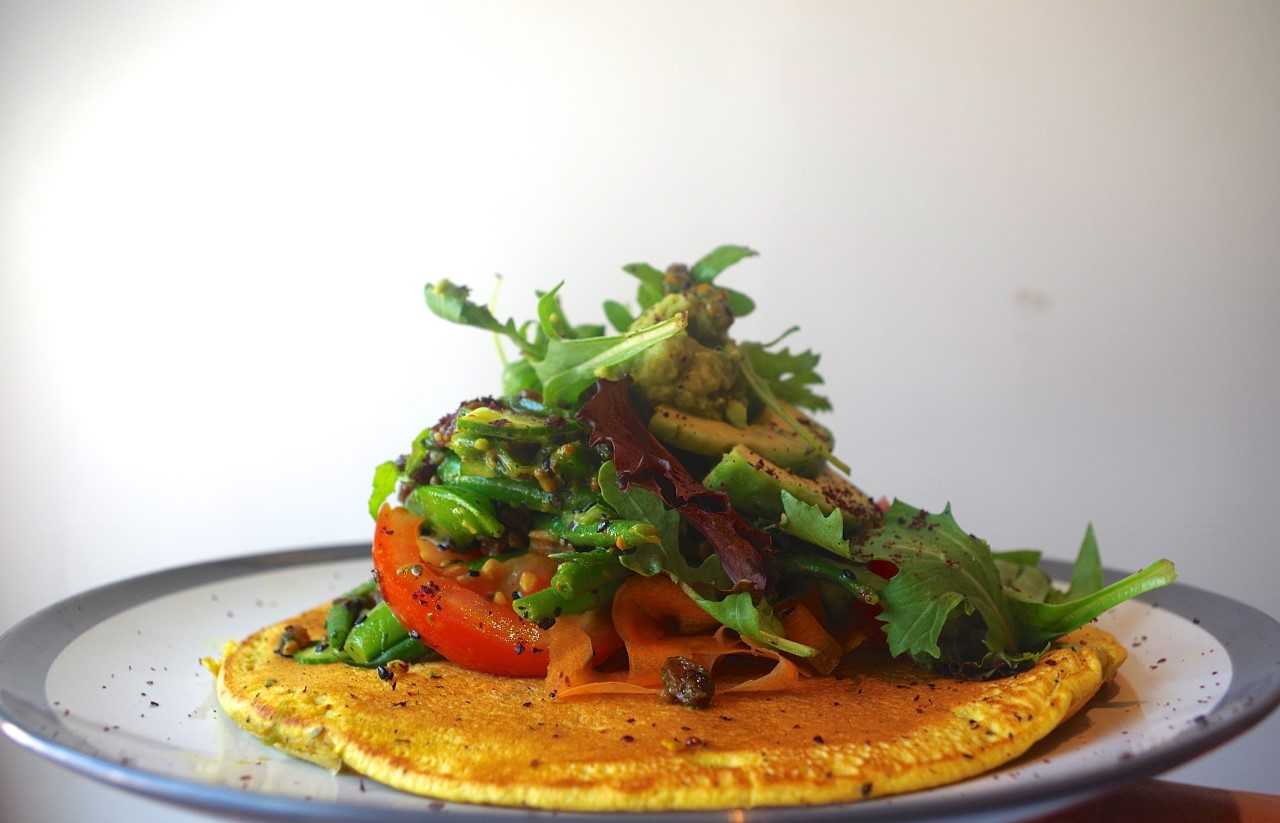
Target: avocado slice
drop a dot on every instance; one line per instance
(769, 436)
(754, 485)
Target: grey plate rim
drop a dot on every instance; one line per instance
(1251, 637)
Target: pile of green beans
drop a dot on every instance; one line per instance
(601, 533)
(515, 492)
(359, 632)
(582, 582)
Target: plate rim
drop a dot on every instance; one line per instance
(1230, 718)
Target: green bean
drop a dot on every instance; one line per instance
(577, 499)
(516, 492)
(572, 462)
(339, 620)
(342, 614)
(587, 573)
(620, 534)
(853, 578)
(320, 653)
(513, 425)
(379, 631)
(410, 650)
(549, 603)
(593, 514)
(579, 584)
(460, 515)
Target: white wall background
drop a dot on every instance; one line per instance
(1039, 244)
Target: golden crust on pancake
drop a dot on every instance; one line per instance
(887, 728)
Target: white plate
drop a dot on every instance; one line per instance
(109, 683)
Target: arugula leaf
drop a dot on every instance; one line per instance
(385, 477)
(451, 302)
(717, 260)
(553, 323)
(570, 366)
(650, 289)
(1024, 580)
(952, 600)
(940, 567)
(915, 630)
(618, 315)
(789, 375)
(1044, 614)
(1086, 575)
(551, 314)
(418, 451)
(764, 391)
(1040, 623)
(518, 376)
(807, 522)
(739, 304)
(757, 622)
(1023, 557)
(636, 503)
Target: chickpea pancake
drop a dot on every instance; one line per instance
(653, 585)
(882, 727)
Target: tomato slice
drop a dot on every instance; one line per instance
(883, 568)
(467, 628)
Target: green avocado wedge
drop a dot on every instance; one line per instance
(767, 436)
(755, 485)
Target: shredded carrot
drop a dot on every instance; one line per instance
(656, 621)
(802, 627)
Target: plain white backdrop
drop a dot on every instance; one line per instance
(1037, 243)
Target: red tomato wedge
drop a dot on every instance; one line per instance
(465, 627)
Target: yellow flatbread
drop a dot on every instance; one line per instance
(439, 730)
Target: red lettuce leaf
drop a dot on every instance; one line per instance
(640, 459)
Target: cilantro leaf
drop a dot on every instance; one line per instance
(636, 503)
(807, 522)
(788, 375)
(618, 315)
(749, 619)
(451, 302)
(717, 260)
(940, 567)
(385, 477)
(570, 366)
